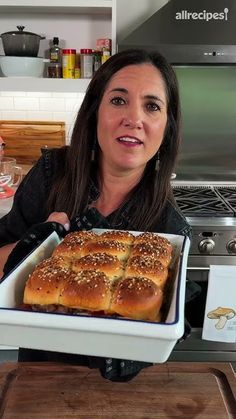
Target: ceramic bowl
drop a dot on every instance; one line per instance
(22, 66)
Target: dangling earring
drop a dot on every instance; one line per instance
(157, 164)
(93, 153)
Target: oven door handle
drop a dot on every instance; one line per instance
(198, 268)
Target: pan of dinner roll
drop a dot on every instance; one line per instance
(108, 293)
(115, 273)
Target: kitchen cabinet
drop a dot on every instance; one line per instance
(77, 23)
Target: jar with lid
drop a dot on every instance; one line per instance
(97, 60)
(105, 56)
(68, 63)
(86, 63)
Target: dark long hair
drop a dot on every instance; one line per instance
(70, 191)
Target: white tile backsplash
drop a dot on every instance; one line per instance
(14, 115)
(12, 94)
(39, 94)
(25, 103)
(41, 106)
(39, 116)
(47, 104)
(6, 103)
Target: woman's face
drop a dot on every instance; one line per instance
(132, 117)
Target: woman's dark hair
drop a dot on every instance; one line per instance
(70, 192)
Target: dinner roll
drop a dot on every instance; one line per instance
(72, 245)
(137, 298)
(83, 235)
(118, 235)
(152, 250)
(114, 248)
(45, 283)
(149, 267)
(88, 290)
(101, 262)
(149, 237)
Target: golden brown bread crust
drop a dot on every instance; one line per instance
(45, 283)
(101, 262)
(78, 236)
(152, 250)
(114, 248)
(149, 237)
(138, 298)
(91, 272)
(88, 290)
(148, 267)
(118, 235)
(73, 243)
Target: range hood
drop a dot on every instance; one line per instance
(189, 32)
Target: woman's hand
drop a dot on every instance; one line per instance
(60, 217)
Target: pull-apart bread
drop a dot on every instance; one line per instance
(115, 273)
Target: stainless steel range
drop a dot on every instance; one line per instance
(211, 211)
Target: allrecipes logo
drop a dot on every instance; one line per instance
(204, 15)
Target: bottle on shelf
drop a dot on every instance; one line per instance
(55, 56)
(105, 56)
(55, 51)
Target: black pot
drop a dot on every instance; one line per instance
(20, 43)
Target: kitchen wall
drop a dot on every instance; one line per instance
(41, 106)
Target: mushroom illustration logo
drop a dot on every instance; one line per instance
(222, 314)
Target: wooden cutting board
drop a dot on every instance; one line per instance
(171, 390)
(24, 139)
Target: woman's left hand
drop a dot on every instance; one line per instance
(60, 217)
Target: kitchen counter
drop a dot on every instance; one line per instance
(171, 390)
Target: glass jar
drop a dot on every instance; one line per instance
(86, 63)
(97, 60)
(105, 56)
(54, 71)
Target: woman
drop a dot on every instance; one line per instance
(116, 172)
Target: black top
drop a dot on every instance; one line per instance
(29, 206)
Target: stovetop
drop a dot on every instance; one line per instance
(206, 201)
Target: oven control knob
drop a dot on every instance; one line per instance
(231, 246)
(206, 246)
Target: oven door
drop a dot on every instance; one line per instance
(194, 348)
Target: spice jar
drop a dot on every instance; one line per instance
(68, 63)
(54, 71)
(77, 67)
(97, 60)
(86, 63)
(105, 56)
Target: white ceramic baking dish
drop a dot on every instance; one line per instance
(91, 335)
